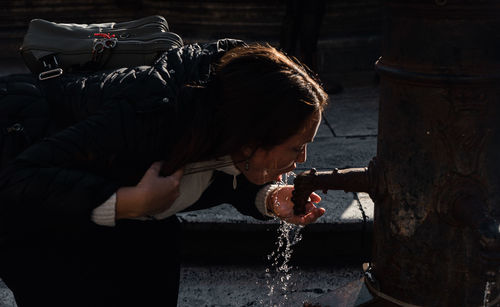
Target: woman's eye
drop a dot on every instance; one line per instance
(299, 149)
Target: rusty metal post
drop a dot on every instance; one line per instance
(437, 181)
(436, 229)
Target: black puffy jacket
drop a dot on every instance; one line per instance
(115, 125)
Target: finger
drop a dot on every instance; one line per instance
(312, 216)
(178, 174)
(315, 198)
(310, 206)
(155, 167)
(294, 219)
(317, 212)
(308, 219)
(297, 220)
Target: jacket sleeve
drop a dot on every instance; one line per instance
(192, 64)
(58, 181)
(221, 191)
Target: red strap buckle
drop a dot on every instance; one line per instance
(104, 35)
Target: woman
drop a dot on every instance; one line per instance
(88, 210)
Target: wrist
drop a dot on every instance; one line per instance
(271, 199)
(128, 203)
(105, 214)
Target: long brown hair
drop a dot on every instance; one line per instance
(257, 97)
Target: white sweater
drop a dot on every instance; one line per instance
(192, 185)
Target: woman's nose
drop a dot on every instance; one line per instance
(301, 158)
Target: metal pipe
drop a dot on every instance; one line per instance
(349, 180)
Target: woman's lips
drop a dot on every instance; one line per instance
(280, 176)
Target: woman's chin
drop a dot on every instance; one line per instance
(261, 181)
(265, 179)
(257, 181)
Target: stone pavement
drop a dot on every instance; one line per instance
(251, 285)
(226, 253)
(233, 285)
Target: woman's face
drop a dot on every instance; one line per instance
(268, 165)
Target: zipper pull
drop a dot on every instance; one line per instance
(17, 127)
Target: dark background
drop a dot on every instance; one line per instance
(348, 45)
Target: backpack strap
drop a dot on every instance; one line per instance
(51, 68)
(50, 84)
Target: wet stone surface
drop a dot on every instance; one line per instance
(248, 286)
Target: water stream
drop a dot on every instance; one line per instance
(278, 275)
(491, 297)
(279, 281)
(487, 294)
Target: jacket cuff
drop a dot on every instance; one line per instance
(104, 215)
(260, 200)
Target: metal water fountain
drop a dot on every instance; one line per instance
(435, 180)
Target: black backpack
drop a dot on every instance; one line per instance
(49, 49)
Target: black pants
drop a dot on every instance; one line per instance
(133, 264)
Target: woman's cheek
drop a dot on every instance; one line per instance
(258, 177)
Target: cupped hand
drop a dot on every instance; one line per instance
(153, 194)
(280, 203)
